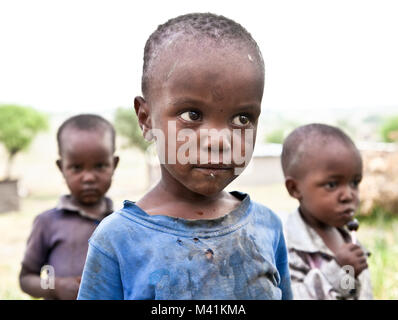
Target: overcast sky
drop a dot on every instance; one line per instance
(86, 56)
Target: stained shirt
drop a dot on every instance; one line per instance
(315, 273)
(242, 255)
(59, 238)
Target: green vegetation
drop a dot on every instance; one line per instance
(18, 127)
(389, 129)
(378, 234)
(276, 136)
(126, 124)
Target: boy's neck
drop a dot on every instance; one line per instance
(330, 235)
(314, 223)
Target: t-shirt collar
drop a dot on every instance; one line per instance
(300, 236)
(65, 203)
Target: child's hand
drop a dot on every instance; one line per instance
(67, 288)
(351, 254)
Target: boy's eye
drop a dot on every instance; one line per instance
(241, 120)
(100, 166)
(331, 185)
(190, 116)
(355, 183)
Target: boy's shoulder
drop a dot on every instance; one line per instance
(296, 228)
(117, 232)
(115, 225)
(265, 215)
(48, 215)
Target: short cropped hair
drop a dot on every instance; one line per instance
(86, 122)
(303, 139)
(197, 26)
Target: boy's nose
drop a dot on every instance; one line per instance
(347, 194)
(88, 176)
(216, 140)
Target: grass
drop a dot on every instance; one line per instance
(380, 236)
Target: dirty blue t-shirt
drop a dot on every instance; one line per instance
(242, 255)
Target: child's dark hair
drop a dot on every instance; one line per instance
(297, 143)
(86, 122)
(199, 26)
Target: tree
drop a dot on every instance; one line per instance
(275, 136)
(18, 127)
(389, 129)
(126, 124)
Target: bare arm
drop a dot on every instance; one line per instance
(30, 283)
(64, 289)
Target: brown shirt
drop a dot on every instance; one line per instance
(59, 238)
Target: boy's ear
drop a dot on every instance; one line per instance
(59, 164)
(115, 162)
(292, 187)
(144, 119)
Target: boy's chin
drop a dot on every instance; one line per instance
(207, 192)
(89, 201)
(208, 189)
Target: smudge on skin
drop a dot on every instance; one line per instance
(250, 58)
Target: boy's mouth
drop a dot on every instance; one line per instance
(89, 192)
(348, 212)
(213, 169)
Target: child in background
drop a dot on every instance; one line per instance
(59, 238)
(323, 169)
(188, 238)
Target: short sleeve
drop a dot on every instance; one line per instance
(101, 277)
(37, 248)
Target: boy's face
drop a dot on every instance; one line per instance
(328, 191)
(87, 164)
(197, 91)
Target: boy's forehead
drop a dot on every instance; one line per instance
(331, 156)
(188, 60)
(72, 138)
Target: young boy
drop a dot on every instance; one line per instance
(59, 239)
(187, 238)
(323, 169)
